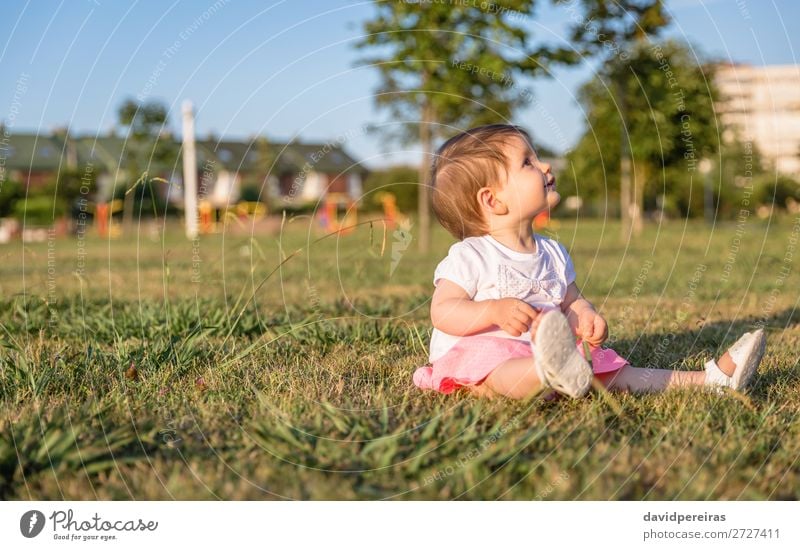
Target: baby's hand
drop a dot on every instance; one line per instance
(592, 327)
(512, 315)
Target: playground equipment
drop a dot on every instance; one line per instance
(253, 210)
(328, 215)
(391, 215)
(208, 222)
(242, 211)
(104, 218)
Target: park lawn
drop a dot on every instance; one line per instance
(150, 368)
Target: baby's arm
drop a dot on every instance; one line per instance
(454, 312)
(583, 318)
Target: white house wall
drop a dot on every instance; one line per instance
(354, 187)
(226, 189)
(314, 186)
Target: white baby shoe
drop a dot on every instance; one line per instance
(556, 358)
(746, 354)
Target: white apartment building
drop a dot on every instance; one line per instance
(763, 106)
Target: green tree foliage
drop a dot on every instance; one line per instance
(39, 209)
(62, 192)
(445, 67)
(779, 191)
(610, 29)
(671, 126)
(148, 151)
(10, 192)
(736, 169)
(254, 186)
(401, 181)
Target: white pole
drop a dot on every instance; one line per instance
(189, 171)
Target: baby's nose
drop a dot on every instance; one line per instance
(546, 167)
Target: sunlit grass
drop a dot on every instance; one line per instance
(167, 372)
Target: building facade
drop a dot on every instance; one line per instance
(291, 173)
(762, 105)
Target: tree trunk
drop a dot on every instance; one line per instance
(625, 163)
(625, 191)
(424, 195)
(637, 204)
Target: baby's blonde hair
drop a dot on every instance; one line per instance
(464, 164)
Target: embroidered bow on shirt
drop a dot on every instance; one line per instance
(518, 285)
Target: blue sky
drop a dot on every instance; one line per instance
(287, 68)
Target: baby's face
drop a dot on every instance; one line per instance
(531, 187)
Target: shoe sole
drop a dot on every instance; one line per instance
(565, 370)
(743, 374)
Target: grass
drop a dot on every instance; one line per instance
(167, 371)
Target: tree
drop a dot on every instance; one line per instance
(147, 149)
(10, 192)
(266, 157)
(776, 191)
(670, 126)
(397, 180)
(611, 29)
(446, 67)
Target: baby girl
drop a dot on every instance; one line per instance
(506, 310)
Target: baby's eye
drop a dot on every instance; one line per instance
(527, 162)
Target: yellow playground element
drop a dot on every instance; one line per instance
(328, 214)
(215, 219)
(391, 215)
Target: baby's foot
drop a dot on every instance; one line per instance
(556, 358)
(736, 367)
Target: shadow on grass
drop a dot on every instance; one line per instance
(689, 349)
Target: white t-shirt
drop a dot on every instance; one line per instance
(487, 269)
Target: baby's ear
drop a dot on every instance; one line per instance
(489, 201)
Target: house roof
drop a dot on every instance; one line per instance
(244, 156)
(326, 157)
(31, 152)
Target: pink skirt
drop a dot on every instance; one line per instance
(473, 358)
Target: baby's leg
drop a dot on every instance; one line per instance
(639, 380)
(562, 367)
(514, 378)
